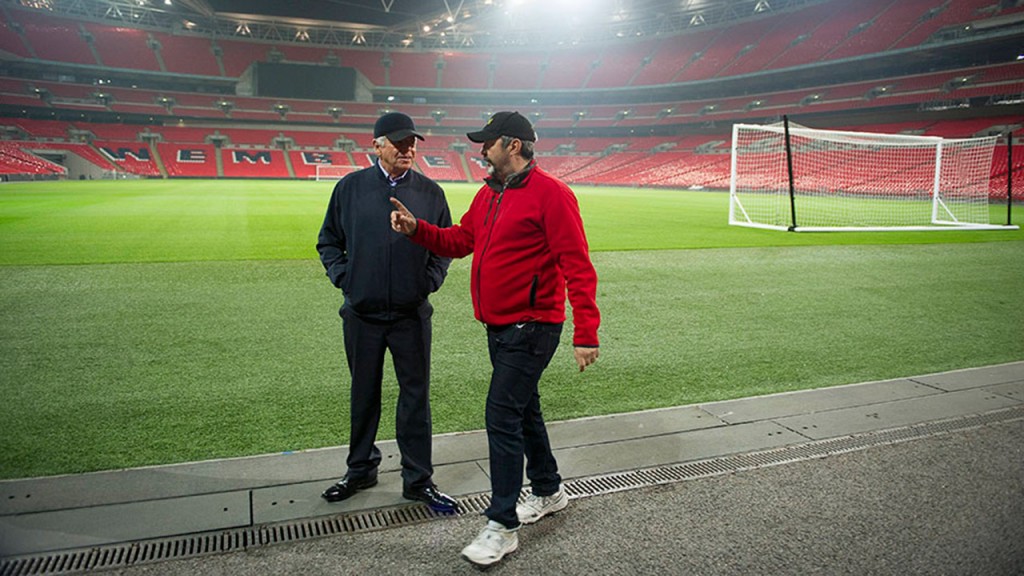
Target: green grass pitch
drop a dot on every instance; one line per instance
(153, 322)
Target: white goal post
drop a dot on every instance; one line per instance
(790, 177)
(333, 172)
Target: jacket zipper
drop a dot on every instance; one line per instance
(392, 193)
(487, 243)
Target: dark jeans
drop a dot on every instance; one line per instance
(408, 340)
(515, 425)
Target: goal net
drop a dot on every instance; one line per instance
(332, 172)
(836, 180)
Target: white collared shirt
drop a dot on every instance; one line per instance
(392, 181)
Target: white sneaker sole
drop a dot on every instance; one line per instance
(488, 562)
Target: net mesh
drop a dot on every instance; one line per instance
(858, 180)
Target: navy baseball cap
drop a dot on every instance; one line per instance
(501, 124)
(395, 126)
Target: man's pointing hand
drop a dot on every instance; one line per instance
(401, 219)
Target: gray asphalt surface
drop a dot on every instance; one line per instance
(951, 504)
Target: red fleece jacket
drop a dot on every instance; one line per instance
(529, 248)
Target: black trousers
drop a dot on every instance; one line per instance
(515, 425)
(408, 340)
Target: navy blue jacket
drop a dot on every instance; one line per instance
(382, 275)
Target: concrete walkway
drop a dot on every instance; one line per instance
(52, 516)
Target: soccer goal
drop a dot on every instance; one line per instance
(790, 177)
(332, 172)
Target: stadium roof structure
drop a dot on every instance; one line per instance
(426, 24)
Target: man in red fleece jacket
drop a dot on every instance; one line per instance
(525, 229)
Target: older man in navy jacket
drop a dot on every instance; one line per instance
(386, 282)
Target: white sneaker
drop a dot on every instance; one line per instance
(536, 507)
(493, 543)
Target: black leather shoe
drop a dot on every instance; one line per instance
(436, 500)
(346, 487)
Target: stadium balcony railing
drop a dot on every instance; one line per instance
(254, 136)
(182, 134)
(116, 132)
(63, 89)
(304, 54)
(194, 100)
(132, 108)
(263, 115)
(312, 107)
(23, 101)
(195, 112)
(311, 138)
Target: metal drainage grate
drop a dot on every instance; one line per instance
(133, 553)
(617, 482)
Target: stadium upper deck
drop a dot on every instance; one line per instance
(827, 63)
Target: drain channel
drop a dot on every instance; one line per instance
(133, 553)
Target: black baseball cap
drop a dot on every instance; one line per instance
(395, 126)
(501, 124)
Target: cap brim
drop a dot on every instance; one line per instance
(481, 136)
(399, 135)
